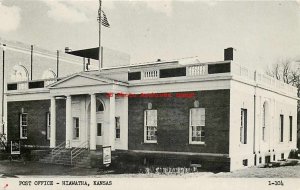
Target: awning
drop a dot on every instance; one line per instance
(92, 53)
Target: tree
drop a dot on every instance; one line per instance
(288, 72)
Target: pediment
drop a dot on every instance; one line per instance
(78, 81)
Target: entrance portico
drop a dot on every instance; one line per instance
(91, 112)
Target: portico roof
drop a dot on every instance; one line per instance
(83, 83)
(83, 79)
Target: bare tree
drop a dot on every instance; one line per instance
(284, 71)
(288, 73)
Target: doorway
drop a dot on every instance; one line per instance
(99, 137)
(99, 120)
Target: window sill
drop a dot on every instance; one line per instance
(23, 138)
(197, 143)
(150, 142)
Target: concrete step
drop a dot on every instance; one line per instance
(64, 158)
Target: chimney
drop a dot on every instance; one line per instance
(228, 54)
(67, 49)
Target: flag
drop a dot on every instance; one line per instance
(104, 20)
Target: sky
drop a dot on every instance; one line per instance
(262, 33)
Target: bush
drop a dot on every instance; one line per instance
(294, 154)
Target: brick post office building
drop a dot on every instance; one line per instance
(216, 113)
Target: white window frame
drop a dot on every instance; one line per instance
(264, 115)
(244, 126)
(22, 125)
(281, 128)
(101, 132)
(75, 128)
(201, 125)
(48, 125)
(152, 126)
(290, 128)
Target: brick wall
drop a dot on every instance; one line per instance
(37, 118)
(173, 122)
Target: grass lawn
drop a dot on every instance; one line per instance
(11, 169)
(279, 172)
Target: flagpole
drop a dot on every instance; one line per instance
(99, 17)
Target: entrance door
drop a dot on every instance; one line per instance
(100, 122)
(100, 128)
(267, 159)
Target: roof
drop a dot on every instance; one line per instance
(93, 76)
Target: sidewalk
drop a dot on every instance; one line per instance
(14, 168)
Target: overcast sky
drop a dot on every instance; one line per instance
(261, 32)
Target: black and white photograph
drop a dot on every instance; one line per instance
(149, 94)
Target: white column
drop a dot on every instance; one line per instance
(5, 115)
(68, 121)
(124, 125)
(53, 123)
(112, 120)
(93, 126)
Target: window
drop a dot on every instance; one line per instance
(23, 125)
(48, 125)
(150, 122)
(99, 129)
(281, 128)
(291, 128)
(100, 106)
(75, 127)
(118, 128)
(245, 162)
(243, 128)
(282, 156)
(197, 125)
(264, 122)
